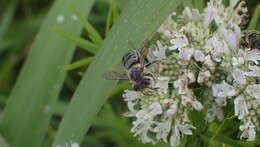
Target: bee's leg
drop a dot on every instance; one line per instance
(151, 63)
(150, 75)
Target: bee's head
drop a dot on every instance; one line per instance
(142, 83)
(254, 40)
(135, 73)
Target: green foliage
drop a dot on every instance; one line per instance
(31, 100)
(7, 17)
(84, 44)
(255, 19)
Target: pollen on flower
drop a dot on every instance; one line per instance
(197, 51)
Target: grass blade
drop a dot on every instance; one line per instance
(112, 15)
(29, 109)
(78, 64)
(255, 19)
(84, 44)
(93, 33)
(141, 18)
(7, 18)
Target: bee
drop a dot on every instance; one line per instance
(251, 40)
(134, 65)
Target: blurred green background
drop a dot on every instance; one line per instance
(19, 23)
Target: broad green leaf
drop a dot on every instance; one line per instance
(138, 21)
(120, 87)
(29, 108)
(3, 142)
(60, 107)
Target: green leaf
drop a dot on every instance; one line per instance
(218, 131)
(112, 15)
(60, 108)
(3, 142)
(28, 111)
(93, 33)
(7, 17)
(120, 87)
(255, 19)
(138, 21)
(77, 64)
(224, 139)
(199, 4)
(85, 44)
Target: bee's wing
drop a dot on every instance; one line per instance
(112, 75)
(144, 48)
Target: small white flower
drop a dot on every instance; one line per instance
(171, 111)
(186, 53)
(255, 71)
(199, 56)
(130, 106)
(196, 105)
(214, 112)
(60, 18)
(189, 98)
(186, 128)
(171, 105)
(179, 42)
(155, 108)
(211, 13)
(232, 3)
(156, 52)
(162, 129)
(210, 64)
(190, 14)
(130, 95)
(239, 76)
(240, 107)
(182, 85)
(254, 90)
(175, 136)
(221, 101)
(237, 61)
(223, 90)
(253, 55)
(248, 131)
(218, 48)
(231, 36)
(190, 76)
(203, 76)
(162, 82)
(140, 128)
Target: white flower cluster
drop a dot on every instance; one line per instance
(197, 50)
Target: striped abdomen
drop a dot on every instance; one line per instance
(130, 59)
